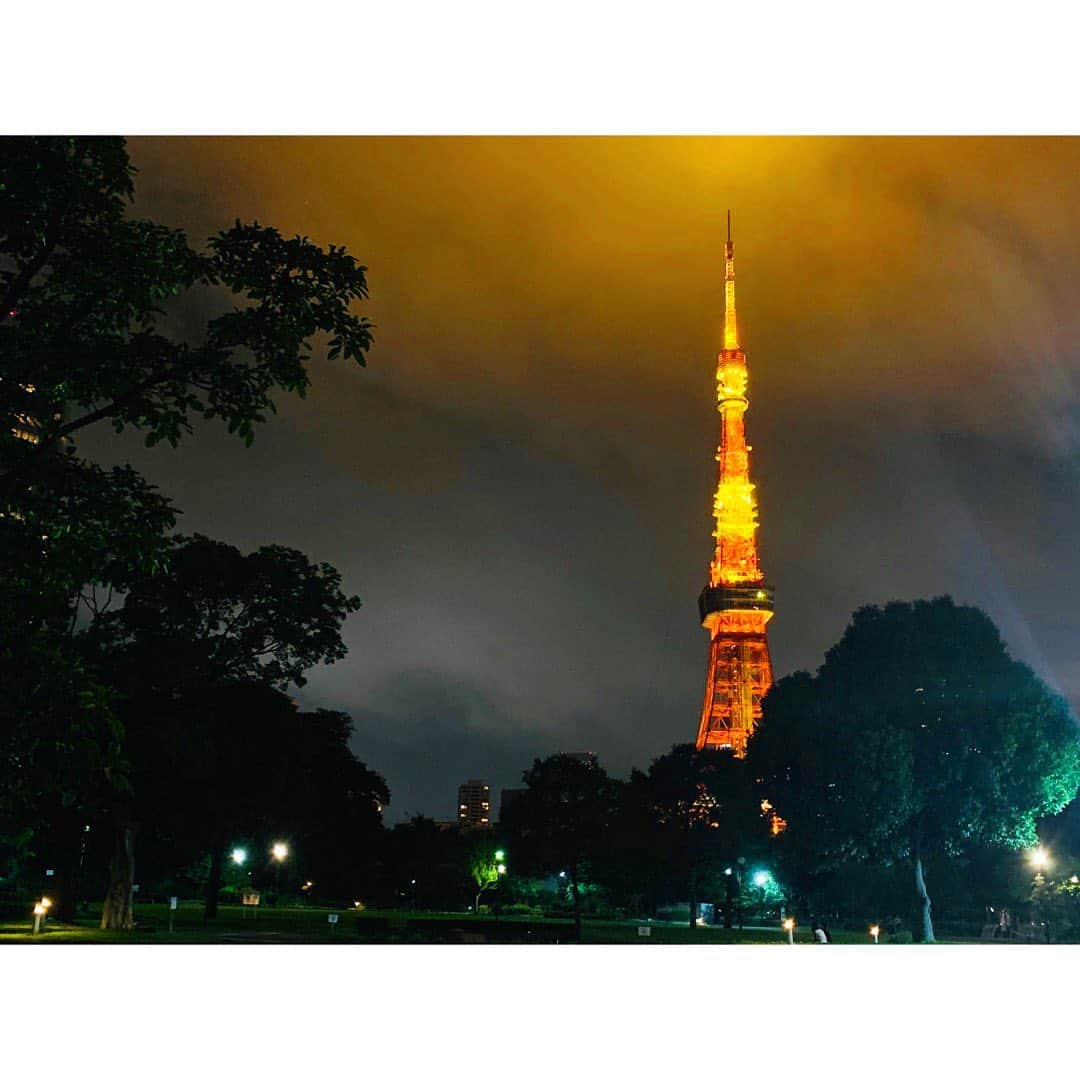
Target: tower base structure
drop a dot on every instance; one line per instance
(739, 676)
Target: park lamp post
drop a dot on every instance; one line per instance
(279, 852)
(41, 908)
(875, 930)
(239, 856)
(789, 926)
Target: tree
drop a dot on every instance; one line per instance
(81, 284)
(486, 863)
(107, 318)
(561, 821)
(701, 813)
(918, 735)
(203, 642)
(238, 759)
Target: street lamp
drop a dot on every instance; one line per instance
(239, 856)
(875, 930)
(280, 852)
(789, 926)
(1039, 858)
(761, 878)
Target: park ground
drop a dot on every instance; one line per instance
(312, 926)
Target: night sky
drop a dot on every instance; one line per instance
(519, 483)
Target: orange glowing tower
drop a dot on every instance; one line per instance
(736, 604)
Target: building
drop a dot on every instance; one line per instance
(736, 603)
(474, 804)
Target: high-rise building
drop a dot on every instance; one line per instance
(736, 603)
(474, 804)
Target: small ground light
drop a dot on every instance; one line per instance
(239, 856)
(789, 926)
(874, 932)
(1075, 879)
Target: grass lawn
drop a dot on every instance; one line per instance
(309, 926)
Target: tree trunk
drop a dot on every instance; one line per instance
(213, 884)
(926, 925)
(116, 913)
(577, 902)
(693, 898)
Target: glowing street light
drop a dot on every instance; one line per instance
(875, 930)
(789, 926)
(1075, 879)
(500, 855)
(762, 878)
(502, 868)
(1039, 858)
(280, 852)
(239, 856)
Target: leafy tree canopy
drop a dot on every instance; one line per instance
(918, 734)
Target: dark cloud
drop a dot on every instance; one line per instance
(519, 484)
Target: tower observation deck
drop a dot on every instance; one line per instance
(736, 603)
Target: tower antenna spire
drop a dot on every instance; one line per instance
(731, 331)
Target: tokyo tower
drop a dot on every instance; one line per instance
(736, 603)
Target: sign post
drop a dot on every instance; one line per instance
(332, 920)
(173, 902)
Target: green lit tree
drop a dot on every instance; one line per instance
(919, 735)
(487, 864)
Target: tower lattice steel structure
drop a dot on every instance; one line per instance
(736, 604)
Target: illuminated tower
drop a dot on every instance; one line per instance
(736, 603)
